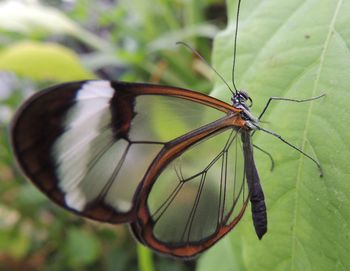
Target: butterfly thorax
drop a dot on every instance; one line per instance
(239, 100)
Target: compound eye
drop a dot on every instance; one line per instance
(244, 95)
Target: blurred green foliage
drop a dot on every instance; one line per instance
(55, 41)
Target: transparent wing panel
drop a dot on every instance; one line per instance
(163, 118)
(200, 191)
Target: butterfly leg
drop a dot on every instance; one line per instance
(268, 154)
(278, 136)
(287, 99)
(293, 146)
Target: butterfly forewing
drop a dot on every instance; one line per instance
(197, 198)
(88, 145)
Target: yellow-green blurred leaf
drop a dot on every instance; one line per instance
(43, 61)
(13, 242)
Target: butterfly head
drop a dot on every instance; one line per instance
(239, 100)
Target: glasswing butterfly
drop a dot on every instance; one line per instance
(175, 164)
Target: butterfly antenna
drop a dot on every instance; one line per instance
(206, 62)
(235, 48)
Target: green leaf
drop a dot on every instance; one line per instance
(82, 248)
(223, 250)
(43, 61)
(295, 49)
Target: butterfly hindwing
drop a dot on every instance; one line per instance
(195, 197)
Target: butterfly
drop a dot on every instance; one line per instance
(90, 146)
(175, 164)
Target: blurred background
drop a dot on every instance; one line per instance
(47, 42)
